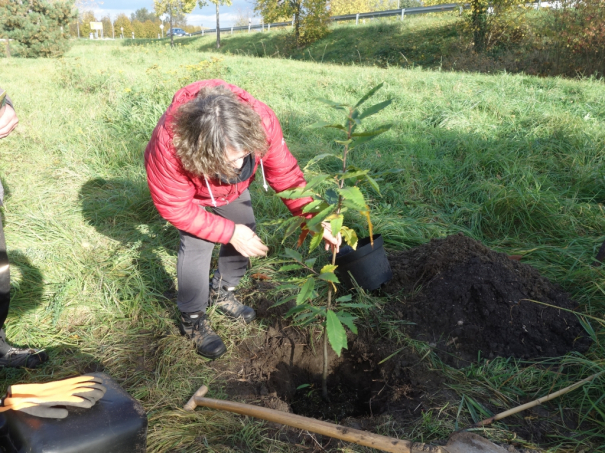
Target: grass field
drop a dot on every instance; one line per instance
(514, 161)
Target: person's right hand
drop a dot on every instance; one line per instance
(247, 242)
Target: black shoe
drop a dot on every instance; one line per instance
(20, 358)
(197, 327)
(226, 302)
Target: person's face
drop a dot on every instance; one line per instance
(236, 158)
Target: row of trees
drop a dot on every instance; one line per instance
(312, 17)
(144, 24)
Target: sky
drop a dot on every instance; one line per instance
(205, 16)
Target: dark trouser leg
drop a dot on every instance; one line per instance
(5, 281)
(195, 254)
(231, 265)
(193, 271)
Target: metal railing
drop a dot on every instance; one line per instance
(389, 13)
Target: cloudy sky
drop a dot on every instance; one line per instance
(205, 16)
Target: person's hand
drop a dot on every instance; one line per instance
(8, 120)
(329, 238)
(247, 242)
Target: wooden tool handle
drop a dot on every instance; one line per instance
(309, 424)
(192, 403)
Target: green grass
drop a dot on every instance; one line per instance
(417, 41)
(514, 161)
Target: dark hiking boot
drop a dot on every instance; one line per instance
(225, 301)
(20, 358)
(197, 327)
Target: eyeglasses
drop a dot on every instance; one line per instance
(240, 157)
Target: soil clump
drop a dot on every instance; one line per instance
(470, 302)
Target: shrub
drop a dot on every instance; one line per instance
(311, 17)
(495, 23)
(581, 34)
(40, 27)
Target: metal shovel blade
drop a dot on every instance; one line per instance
(472, 443)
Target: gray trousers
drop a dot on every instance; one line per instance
(195, 256)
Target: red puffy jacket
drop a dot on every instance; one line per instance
(181, 197)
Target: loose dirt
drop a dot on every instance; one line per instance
(464, 299)
(469, 302)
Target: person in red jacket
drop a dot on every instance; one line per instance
(202, 156)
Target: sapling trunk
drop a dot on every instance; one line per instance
(324, 376)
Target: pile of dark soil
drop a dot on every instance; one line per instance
(470, 302)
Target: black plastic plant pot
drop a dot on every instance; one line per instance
(368, 265)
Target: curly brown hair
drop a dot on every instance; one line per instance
(209, 124)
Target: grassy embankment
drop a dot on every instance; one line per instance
(514, 161)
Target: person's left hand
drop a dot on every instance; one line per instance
(8, 120)
(329, 239)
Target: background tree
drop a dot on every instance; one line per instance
(172, 8)
(505, 22)
(122, 21)
(241, 18)
(311, 17)
(107, 26)
(217, 3)
(142, 15)
(340, 7)
(85, 19)
(41, 28)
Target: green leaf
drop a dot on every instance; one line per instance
(349, 236)
(373, 183)
(353, 198)
(375, 109)
(303, 386)
(294, 255)
(329, 277)
(294, 194)
(333, 104)
(315, 241)
(290, 267)
(318, 218)
(336, 225)
(287, 287)
(293, 226)
(315, 181)
(336, 332)
(310, 262)
(320, 157)
(348, 320)
(297, 309)
(371, 134)
(356, 305)
(331, 196)
(354, 174)
(343, 142)
(306, 292)
(316, 205)
(283, 301)
(345, 298)
(369, 94)
(321, 124)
